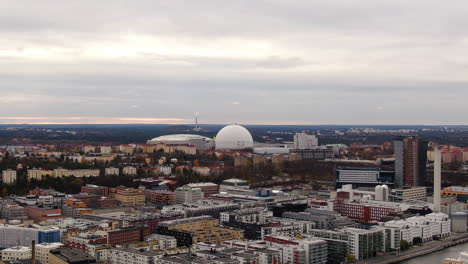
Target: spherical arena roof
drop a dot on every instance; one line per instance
(233, 137)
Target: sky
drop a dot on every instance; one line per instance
(248, 62)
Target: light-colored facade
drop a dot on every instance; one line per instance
(188, 195)
(130, 197)
(129, 170)
(133, 256)
(16, 253)
(9, 176)
(60, 173)
(43, 250)
(128, 149)
(205, 229)
(34, 174)
(305, 141)
(410, 194)
(89, 149)
(302, 251)
(105, 149)
(423, 227)
(112, 171)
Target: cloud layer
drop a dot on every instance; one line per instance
(299, 61)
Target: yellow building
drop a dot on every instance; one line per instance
(459, 191)
(203, 229)
(130, 196)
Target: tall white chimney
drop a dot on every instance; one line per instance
(437, 178)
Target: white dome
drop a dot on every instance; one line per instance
(233, 137)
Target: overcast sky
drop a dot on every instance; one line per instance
(248, 62)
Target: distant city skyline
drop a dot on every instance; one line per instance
(248, 62)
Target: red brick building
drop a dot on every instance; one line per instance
(94, 189)
(82, 243)
(39, 214)
(160, 196)
(364, 212)
(127, 235)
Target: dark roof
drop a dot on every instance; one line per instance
(73, 256)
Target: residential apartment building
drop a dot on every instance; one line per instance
(134, 256)
(111, 171)
(303, 251)
(129, 170)
(43, 250)
(60, 173)
(105, 149)
(9, 176)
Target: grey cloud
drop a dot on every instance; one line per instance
(315, 61)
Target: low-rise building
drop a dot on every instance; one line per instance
(208, 188)
(198, 229)
(39, 214)
(16, 253)
(134, 256)
(160, 196)
(69, 255)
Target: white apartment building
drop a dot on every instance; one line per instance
(133, 256)
(249, 215)
(89, 149)
(9, 176)
(43, 250)
(129, 170)
(15, 253)
(105, 149)
(305, 251)
(112, 171)
(424, 227)
(163, 242)
(305, 141)
(165, 170)
(128, 149)
(35, 174)
(188, 195)
(60, 172)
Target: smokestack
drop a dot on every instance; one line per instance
(437, 178)
(33, 252)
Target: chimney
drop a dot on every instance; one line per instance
(33, 252)
(437, 178)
